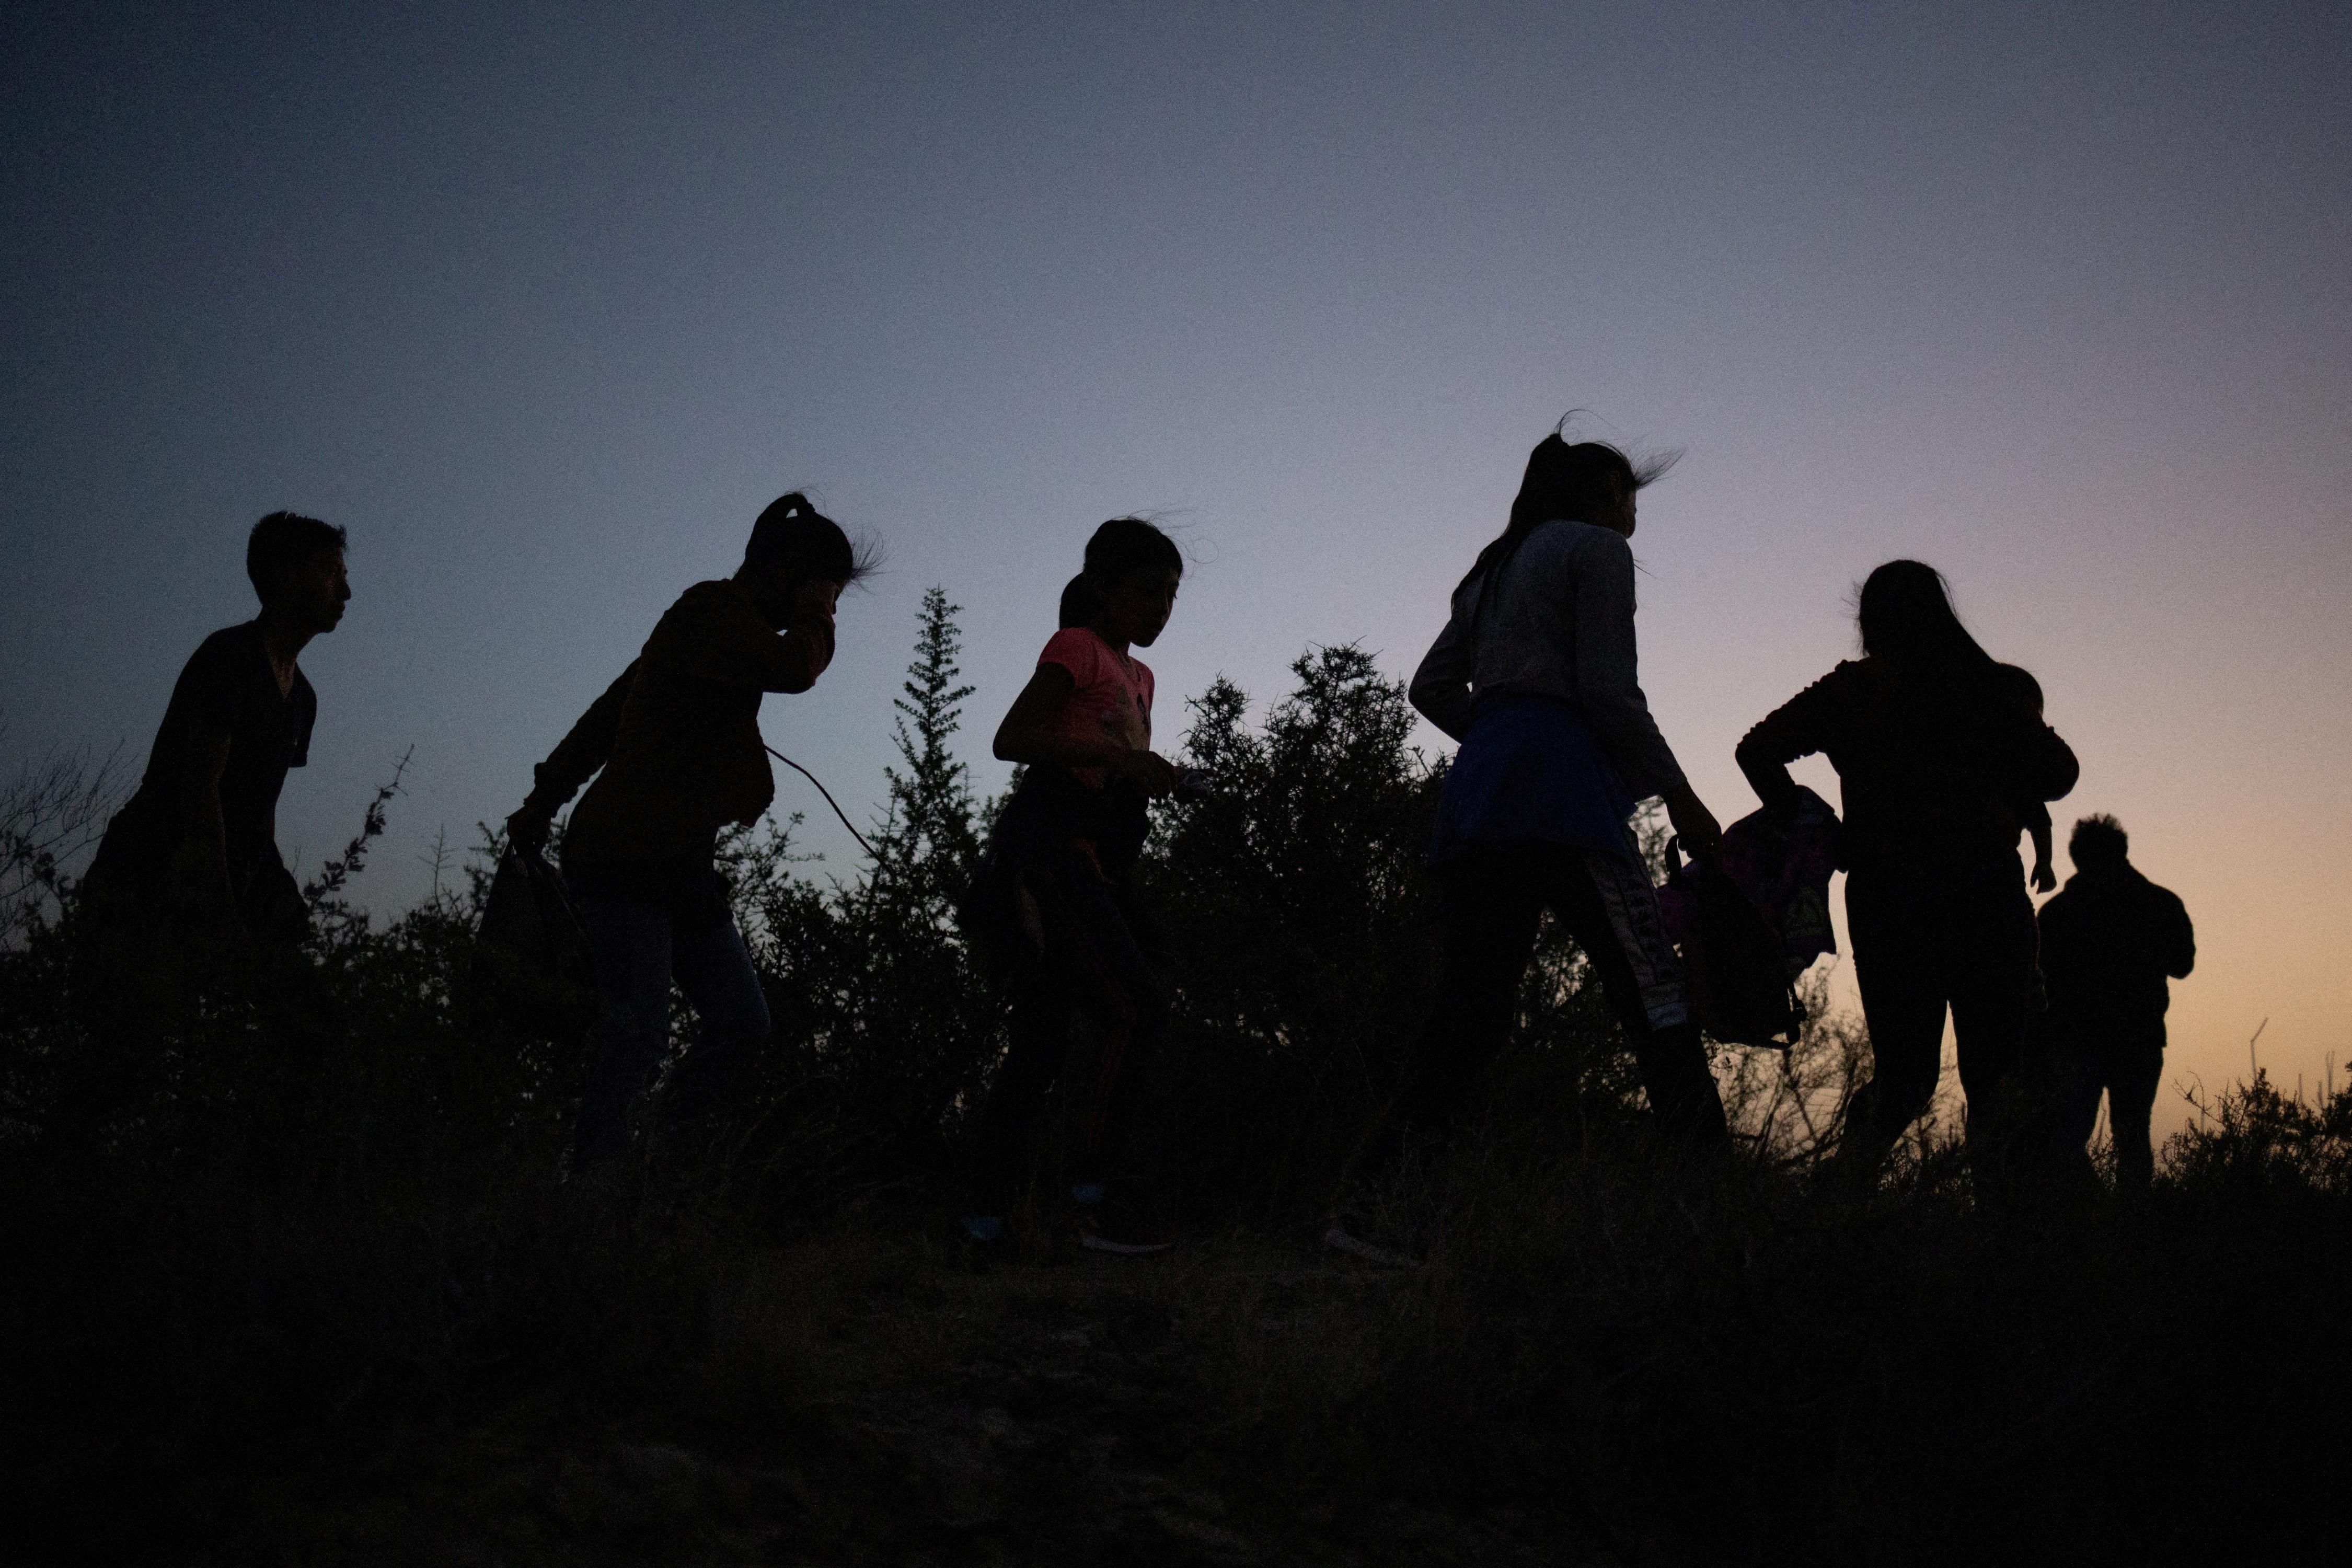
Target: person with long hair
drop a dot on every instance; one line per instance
(675, 747)
(1534, 675)
(1936, 749)
(1059, 903)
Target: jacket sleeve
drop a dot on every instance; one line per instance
(1606, 669)
(713, 633)
(2175, 938)
(1806, 724)
(1441, 687)
(586, 748)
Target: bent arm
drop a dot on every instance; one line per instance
(585, 748)
(1030, 733)
(1797, 728)
(1440, 691)
(2180, 938)
(1607, 671)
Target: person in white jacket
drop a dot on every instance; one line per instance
(1535, 675)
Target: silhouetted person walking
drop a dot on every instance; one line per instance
(676, 738)
(1088, 981)
(1534, 675)
(189, 879)
(2110, 941)
(199, 839)
(1936, 747)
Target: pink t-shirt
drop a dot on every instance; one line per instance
(1113, 700)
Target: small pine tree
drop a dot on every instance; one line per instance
(929, 846)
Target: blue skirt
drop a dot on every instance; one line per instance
(1531, 769)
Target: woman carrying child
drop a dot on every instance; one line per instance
(1535, 675)
(1940, 753)
(1089, 988)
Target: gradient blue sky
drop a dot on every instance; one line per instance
(545, 302)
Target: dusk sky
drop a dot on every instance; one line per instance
(543, 303)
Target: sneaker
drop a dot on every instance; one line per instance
(985, 1242)
(1338, 1236)
(1124, 1230)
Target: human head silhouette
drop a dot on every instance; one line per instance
(2097, 842)
(1129, 587)
(794, 547)
(1907, 619)
(1585, 482)
(296, 566)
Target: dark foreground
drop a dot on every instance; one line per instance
(1596, 1365)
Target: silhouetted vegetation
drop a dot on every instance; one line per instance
(323, 1297)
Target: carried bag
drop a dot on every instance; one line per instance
(1739, 981)
(531, 973)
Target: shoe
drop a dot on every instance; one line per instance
(1122, 1228)
(986, 1244)
(1340, 1239)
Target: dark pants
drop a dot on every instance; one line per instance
(2123, 1059)
(1495, 896)
(1922, 944)
(638, 948)
(1089, 998)
(149, 983)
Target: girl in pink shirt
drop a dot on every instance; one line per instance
(1057, 895)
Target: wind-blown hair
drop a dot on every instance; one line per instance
(1904, 612)
(1575, 480)
(1126, 545)
(281, 541)
(794, 537)
(2098, 840)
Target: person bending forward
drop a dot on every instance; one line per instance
(678, 739)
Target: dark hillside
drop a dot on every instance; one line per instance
(319, 1294)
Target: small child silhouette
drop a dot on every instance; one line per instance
(2035, 814)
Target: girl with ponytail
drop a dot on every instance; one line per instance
(675, 749)
(1056, 904)
(1535, 675)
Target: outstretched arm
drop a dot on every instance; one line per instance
(1608, 688)
(585, 748)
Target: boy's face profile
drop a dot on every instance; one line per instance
(312, 591)
(1136, 608)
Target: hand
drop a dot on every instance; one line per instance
(1701, 835)
(2044, 879)
(526, 829)
(1148, 771)
(814, 600)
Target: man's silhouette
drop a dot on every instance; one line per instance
(197, 845)
(2108, 941)
(188, 891)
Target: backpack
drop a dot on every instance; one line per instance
(1739, 988)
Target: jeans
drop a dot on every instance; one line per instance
(1922, 944)
(2124, 1058)
(637, 949)
(1087, 1017)
(1494, 898)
